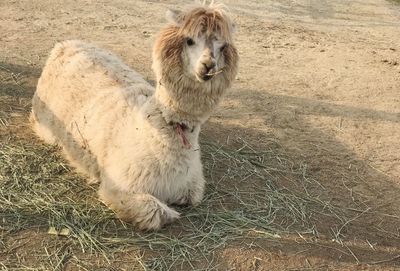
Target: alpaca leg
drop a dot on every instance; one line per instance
(143, 210)
(196, 190)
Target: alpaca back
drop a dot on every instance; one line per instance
(77, 72)
(81, 95)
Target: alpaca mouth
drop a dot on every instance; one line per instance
(215, 72)
(203, 77)
(210, 74)
(206, 77)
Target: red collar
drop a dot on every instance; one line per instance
(180, 128)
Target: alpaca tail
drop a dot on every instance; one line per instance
(145, 211)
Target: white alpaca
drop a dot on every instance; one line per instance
(141, 144)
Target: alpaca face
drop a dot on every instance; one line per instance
(197, 44)
(203, 56)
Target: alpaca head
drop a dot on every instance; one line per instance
(197, 46)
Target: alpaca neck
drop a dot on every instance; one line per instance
(179, 106)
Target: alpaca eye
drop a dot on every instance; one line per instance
(190, 42)
(223, 47)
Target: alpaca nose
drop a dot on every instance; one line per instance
(209, 65)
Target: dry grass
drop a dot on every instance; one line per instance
(253, 194)
(38, 191)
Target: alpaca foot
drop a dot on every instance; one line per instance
(143, 210)
(191, 198)
(183, 201)
(196, 197)
(152, 217)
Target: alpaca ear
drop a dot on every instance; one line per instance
(174, 16)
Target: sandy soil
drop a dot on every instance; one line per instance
(320, 77)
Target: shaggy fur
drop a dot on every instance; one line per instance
(114, 127)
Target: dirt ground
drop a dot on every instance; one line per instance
(319, 78)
